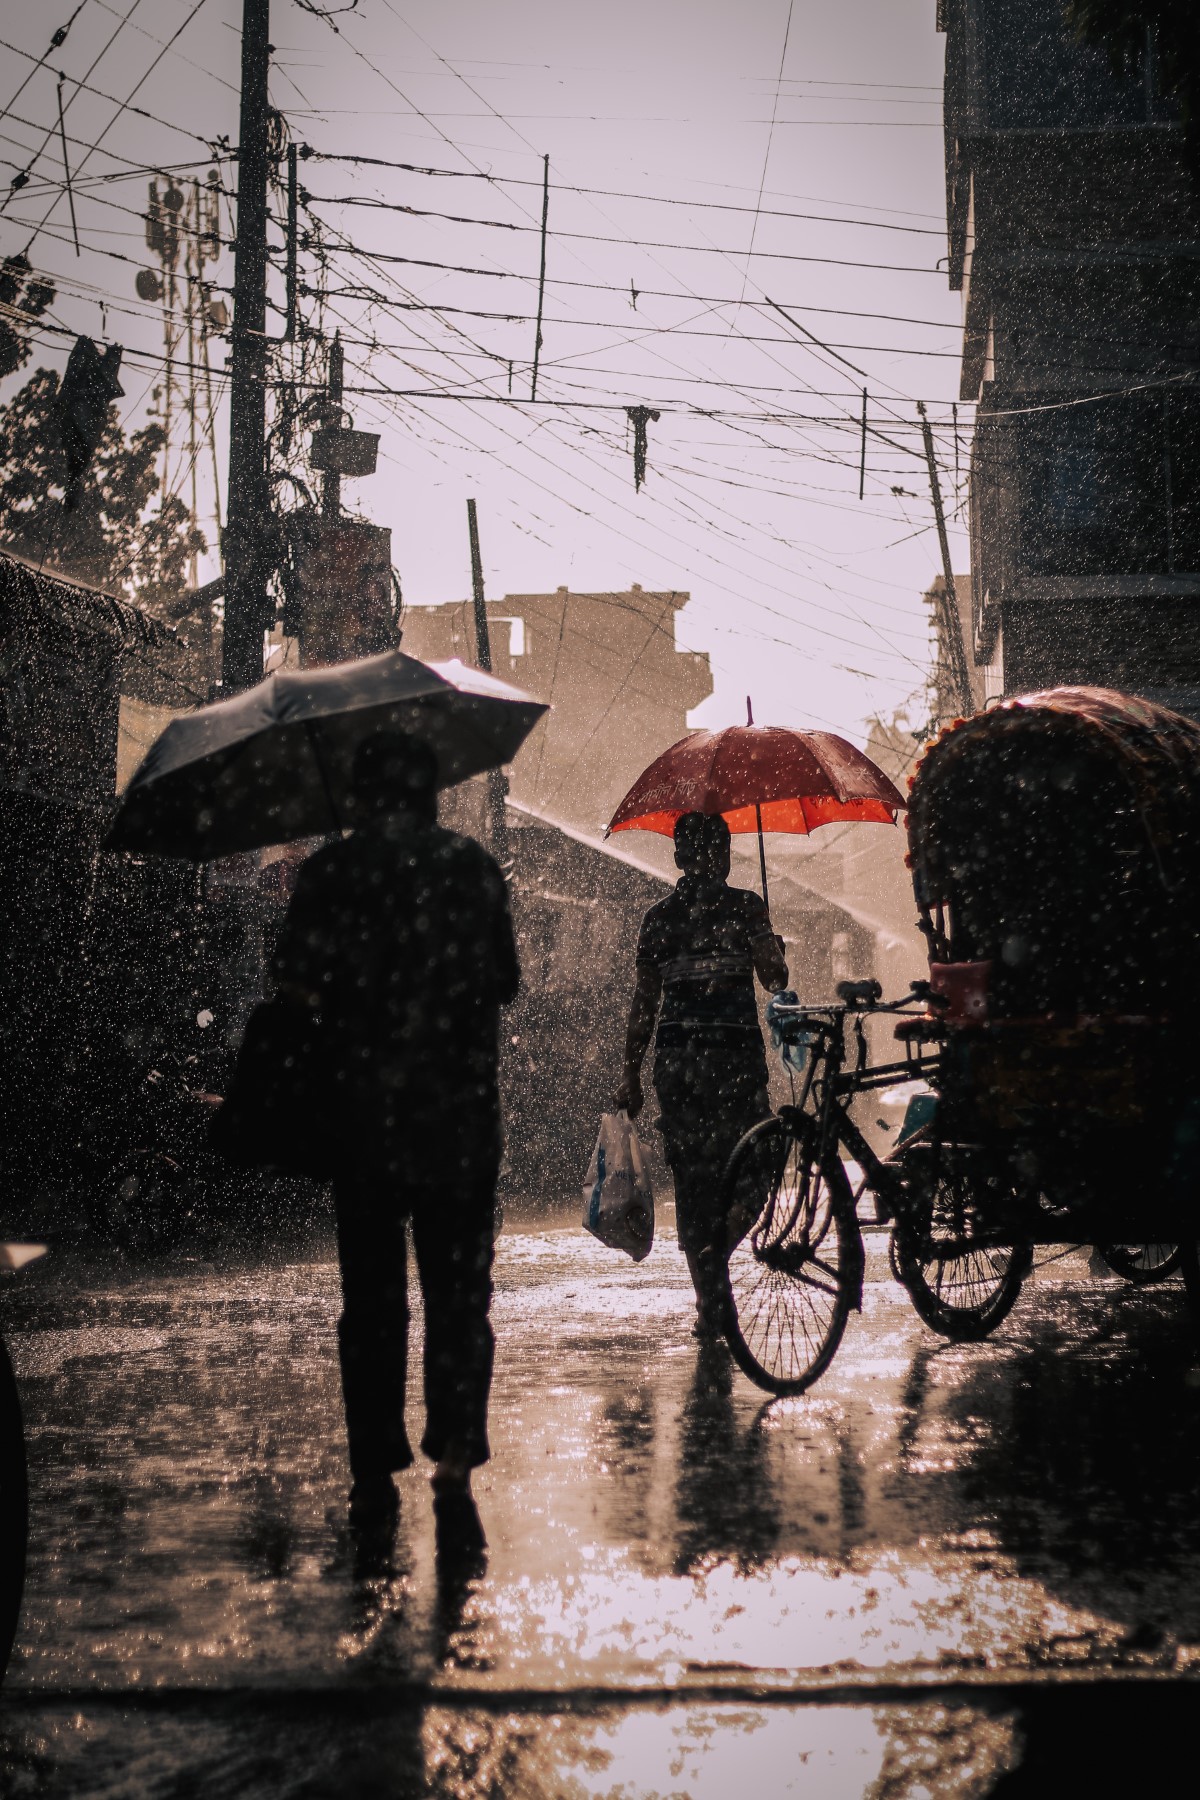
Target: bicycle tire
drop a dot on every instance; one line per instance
(788, 1293)
(1189, 1263)
(963, 1297)
(14, 1509)
(1122, 1259)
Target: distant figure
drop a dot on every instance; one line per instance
(699, 951)
(400, 936)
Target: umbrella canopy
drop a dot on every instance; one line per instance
(759, 778)
(274, 764)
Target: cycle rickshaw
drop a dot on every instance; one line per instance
(1055, 851)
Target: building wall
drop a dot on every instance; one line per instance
(619, 689)
(1073, 231)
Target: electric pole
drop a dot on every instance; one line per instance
(497, 822)
(248, 540)
(331, 480)
(952, 631)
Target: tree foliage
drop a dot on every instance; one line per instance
(24, 297)
(1167, 30)
(122, 534)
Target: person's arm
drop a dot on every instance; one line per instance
(643, 1010)
(766, 950)
(769, 963)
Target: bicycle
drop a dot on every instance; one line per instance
(796, 1258)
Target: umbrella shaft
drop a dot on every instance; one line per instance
(762, 855)
(322, 770)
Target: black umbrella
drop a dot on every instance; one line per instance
(273, 764)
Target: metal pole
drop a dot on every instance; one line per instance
(292, 235)
(62, 132)
(191, 256)
(951, 617)
(483, 641)
(497, 822)
(331, 481)
(248, 558)
(537, 341)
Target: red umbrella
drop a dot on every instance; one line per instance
(759, 778)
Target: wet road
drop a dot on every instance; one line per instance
(947, 1570)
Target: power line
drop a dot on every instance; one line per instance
(95, 62)
(370, 295)
(124, 105)
(787, 32)
(566, 187)
(592, 237)
(59, 38)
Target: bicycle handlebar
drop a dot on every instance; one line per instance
(840, 1009)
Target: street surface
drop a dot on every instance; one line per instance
(945, 1571)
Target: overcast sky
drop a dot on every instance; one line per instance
(822, 191)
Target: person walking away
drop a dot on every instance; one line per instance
(698, 953)
(400, 936)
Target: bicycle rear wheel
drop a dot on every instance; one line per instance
(1142, 1264)
(796, 1272)
(961, 1285)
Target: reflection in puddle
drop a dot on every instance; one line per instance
(678, 1752)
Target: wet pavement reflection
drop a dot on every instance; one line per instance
(670, 1561)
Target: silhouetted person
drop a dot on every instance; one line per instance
(400, 935)
(698, 952)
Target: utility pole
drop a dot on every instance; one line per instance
(331, 480)
(951, 617)
(497, 823)
(248, 552)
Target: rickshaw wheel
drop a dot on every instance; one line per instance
(1142, 1264)
(14, 1517)
(795, 1271)
(965, 1295)
(1189, 1263)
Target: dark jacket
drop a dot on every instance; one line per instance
(403, 933)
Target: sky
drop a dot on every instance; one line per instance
(706, 161)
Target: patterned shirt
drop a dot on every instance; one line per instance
(699, 941)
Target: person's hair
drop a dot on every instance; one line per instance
(394, 772)
(702, 844)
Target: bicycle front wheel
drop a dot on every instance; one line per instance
(795, 1270)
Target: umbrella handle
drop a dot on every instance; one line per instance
(315, 743)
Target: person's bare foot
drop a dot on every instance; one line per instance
(373, 1501)
(452, 1475)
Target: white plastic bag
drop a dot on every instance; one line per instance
(617, 1196)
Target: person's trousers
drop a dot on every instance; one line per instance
(453, 1229)
(709, 1097)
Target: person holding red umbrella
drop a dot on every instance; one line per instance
(701, 948)
(698, 953)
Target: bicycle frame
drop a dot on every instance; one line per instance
(830, 1086)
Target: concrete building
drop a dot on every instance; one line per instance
(619, 688)
(1073, 235)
